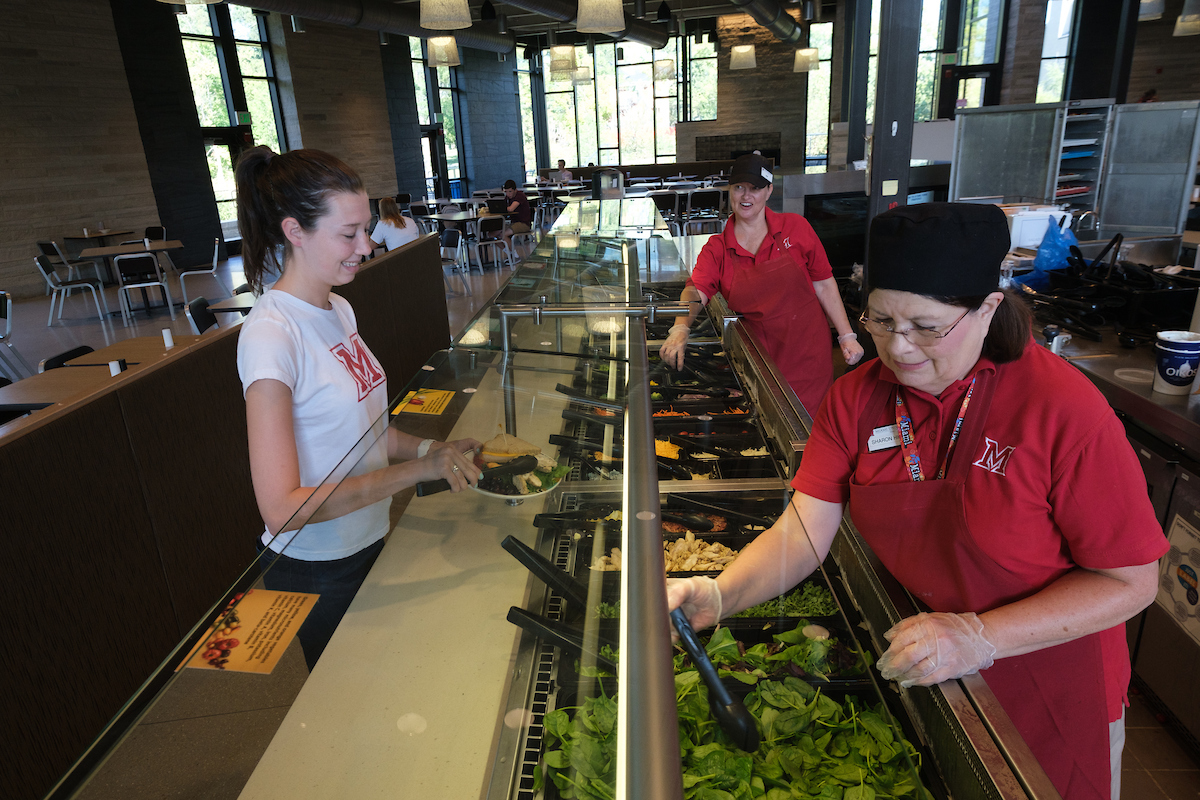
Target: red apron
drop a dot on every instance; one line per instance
(1056, 696)
(777, 303)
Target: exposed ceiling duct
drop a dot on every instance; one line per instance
(772, 16)
(636, 30)
(382, 15)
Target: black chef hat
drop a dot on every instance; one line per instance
(753, 169)
(939, 249)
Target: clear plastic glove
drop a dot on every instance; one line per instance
(852, 351)
(448, 460)
(674, 347)
(700, 599)
(931, 648)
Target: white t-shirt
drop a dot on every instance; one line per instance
(339, 393)
(392, 237)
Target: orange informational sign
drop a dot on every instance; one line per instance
(425, 401)
(252, 635)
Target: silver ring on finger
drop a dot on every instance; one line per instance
(454, 467)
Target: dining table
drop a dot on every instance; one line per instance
(240, 303)
(99, 235)
(156, 246)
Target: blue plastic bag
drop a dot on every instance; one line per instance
(1052, 254)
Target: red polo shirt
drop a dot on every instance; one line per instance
(1054, 484)
(722, 257)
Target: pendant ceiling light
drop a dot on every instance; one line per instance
(562, 59)
(445, 15)
(383, 38)
(742, 57)
(487, 11)
(297, 25)
(600, 16)
(581, 75)
(502, 24)
(807, 60)
(673, 26)
(1188, 23)
(810, 11)
(639, 9)
(551, 37)
(443, 52)
(1149, 10)
(664, 70)
(664, 12)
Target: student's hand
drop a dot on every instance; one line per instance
(446, 460)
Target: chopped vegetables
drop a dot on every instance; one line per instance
(809, 600)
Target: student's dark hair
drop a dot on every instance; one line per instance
(1012, 325)
(389, 211)
(271, 188)
(510, 184)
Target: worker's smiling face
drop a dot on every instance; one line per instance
(747, 202)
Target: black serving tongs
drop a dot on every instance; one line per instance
(730, 712)
(560, 635)
(572, 590)
(518, 466)
(583, 397)
(685, 500)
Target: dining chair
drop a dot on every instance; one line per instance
(11, 356)
(200, 317)
(668, 206)
(139, 271)
(242, 289)
(490, 236)
(60, 360)
(454, 256)
(59, 289)
(209, 270)
(58, 258)
(704, 209)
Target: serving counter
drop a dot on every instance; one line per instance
(456, 673)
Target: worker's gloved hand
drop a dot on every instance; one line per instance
(700, 599)
(673, 348)
(931, 648)
(852, 351)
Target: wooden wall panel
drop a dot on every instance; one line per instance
(87, 612)
(187, 426)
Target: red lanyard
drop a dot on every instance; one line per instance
(912, 459)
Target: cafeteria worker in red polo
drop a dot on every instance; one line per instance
(992, 479)
(773, 271)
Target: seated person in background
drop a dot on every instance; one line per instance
(564, 173)
(520, 214)
(393, 229)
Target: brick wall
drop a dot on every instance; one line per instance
(491, 121)
(402, 115)
(71, 151)
(1166, 63)
(768, 99)
(336, 75)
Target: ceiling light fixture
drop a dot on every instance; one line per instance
(807, 59)
(600, 16)
(297, 25)
(383, 38)
(487, 11)
(502, 24)
(551, 37)
(664, 70)
(639, 9)
(562, 59)
(673, 26)
(810, 11)
(1188, 23)
(664, 12)
(443, 52)
(445, 15)
(1150, 10)
(742, 57)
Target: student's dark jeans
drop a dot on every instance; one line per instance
(335, 581)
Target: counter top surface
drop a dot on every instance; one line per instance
(425, 642)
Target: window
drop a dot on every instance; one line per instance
(447, 82)
(528, 135)
(932, 12)
(1056, 50)
(419, 82)
(979, 46)
(224, 87)
(816, 115)
(700, 78)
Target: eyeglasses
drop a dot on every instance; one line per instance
(919, 335)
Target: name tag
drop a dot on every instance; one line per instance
(883, 438)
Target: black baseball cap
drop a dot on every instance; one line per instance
(753, 169)
(938, 249)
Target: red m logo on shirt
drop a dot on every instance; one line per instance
(994, 458)
(360, 364)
